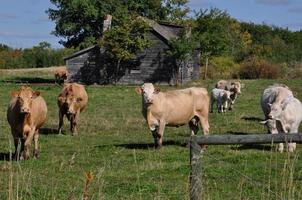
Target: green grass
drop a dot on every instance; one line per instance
(116, 146)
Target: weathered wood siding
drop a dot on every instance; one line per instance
(152, 65)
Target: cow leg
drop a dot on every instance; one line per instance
(212, 104)
(193, 124)
(36, 140)
(225, 106)
(292, 145)
(27, 144)
(161, 130)
(18, 147)
(61, 121)
(73, 124)
(76, 119)
(205, 125)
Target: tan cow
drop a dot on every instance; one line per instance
(71, 101)
(233, 86)
(26, 113)
(61, 74)
(174, 108)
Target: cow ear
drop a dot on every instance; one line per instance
(36, 94)
(14, 93)
(157, 90)
(138, 90)
(79, 99)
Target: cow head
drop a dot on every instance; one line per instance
(147, 90)
(236, 87)
(271, 126)
(24, 98)
(69, 101)
(275, 110)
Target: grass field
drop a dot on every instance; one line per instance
(115, 145)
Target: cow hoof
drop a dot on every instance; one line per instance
(157, 146)
(74, 134)
(36, 154)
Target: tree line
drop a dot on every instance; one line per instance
(41, 55)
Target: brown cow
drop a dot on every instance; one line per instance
(61, 74)
(174, 108)
(26, 113)
(71, 101)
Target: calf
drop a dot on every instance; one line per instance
(26, 113)
(222, 97)
(233, 86)
(174, 108)
(271, 102)
(71, 101)
(61, 74)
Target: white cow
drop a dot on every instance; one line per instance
(288, 118)
(271, 101)
(222, 97)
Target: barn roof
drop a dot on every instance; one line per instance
(161, 28)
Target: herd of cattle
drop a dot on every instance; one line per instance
(27, 110)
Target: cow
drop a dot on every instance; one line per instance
(233, 86)
(288, 118)
(271, 101)
(174, 108)
(222, 97)
(26, 114)
(72, 100)
(61, 75)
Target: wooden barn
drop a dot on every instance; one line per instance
(92, 66)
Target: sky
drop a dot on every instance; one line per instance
(24, 23)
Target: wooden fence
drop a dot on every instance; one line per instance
(196, 152)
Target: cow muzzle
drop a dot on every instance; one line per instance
(25, 110)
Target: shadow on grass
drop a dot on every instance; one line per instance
(5, 156)
(247, 118)
(48, 131)
(29, 80)
(146, 145)
(236, 133)
(253, 146)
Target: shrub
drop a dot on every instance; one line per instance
(255, 68)
(295, 72)
(222, 67)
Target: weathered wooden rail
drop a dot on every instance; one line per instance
(196, 152)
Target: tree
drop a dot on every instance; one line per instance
(125, 39)
(181, 50)
(210, 28)
(80, 22)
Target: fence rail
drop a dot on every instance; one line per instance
(196, 151)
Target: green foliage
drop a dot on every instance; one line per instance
(126, 37)
(182, 47)
(223, 67)
(80, 22)
(41, 55)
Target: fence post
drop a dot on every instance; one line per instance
(195, 169)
